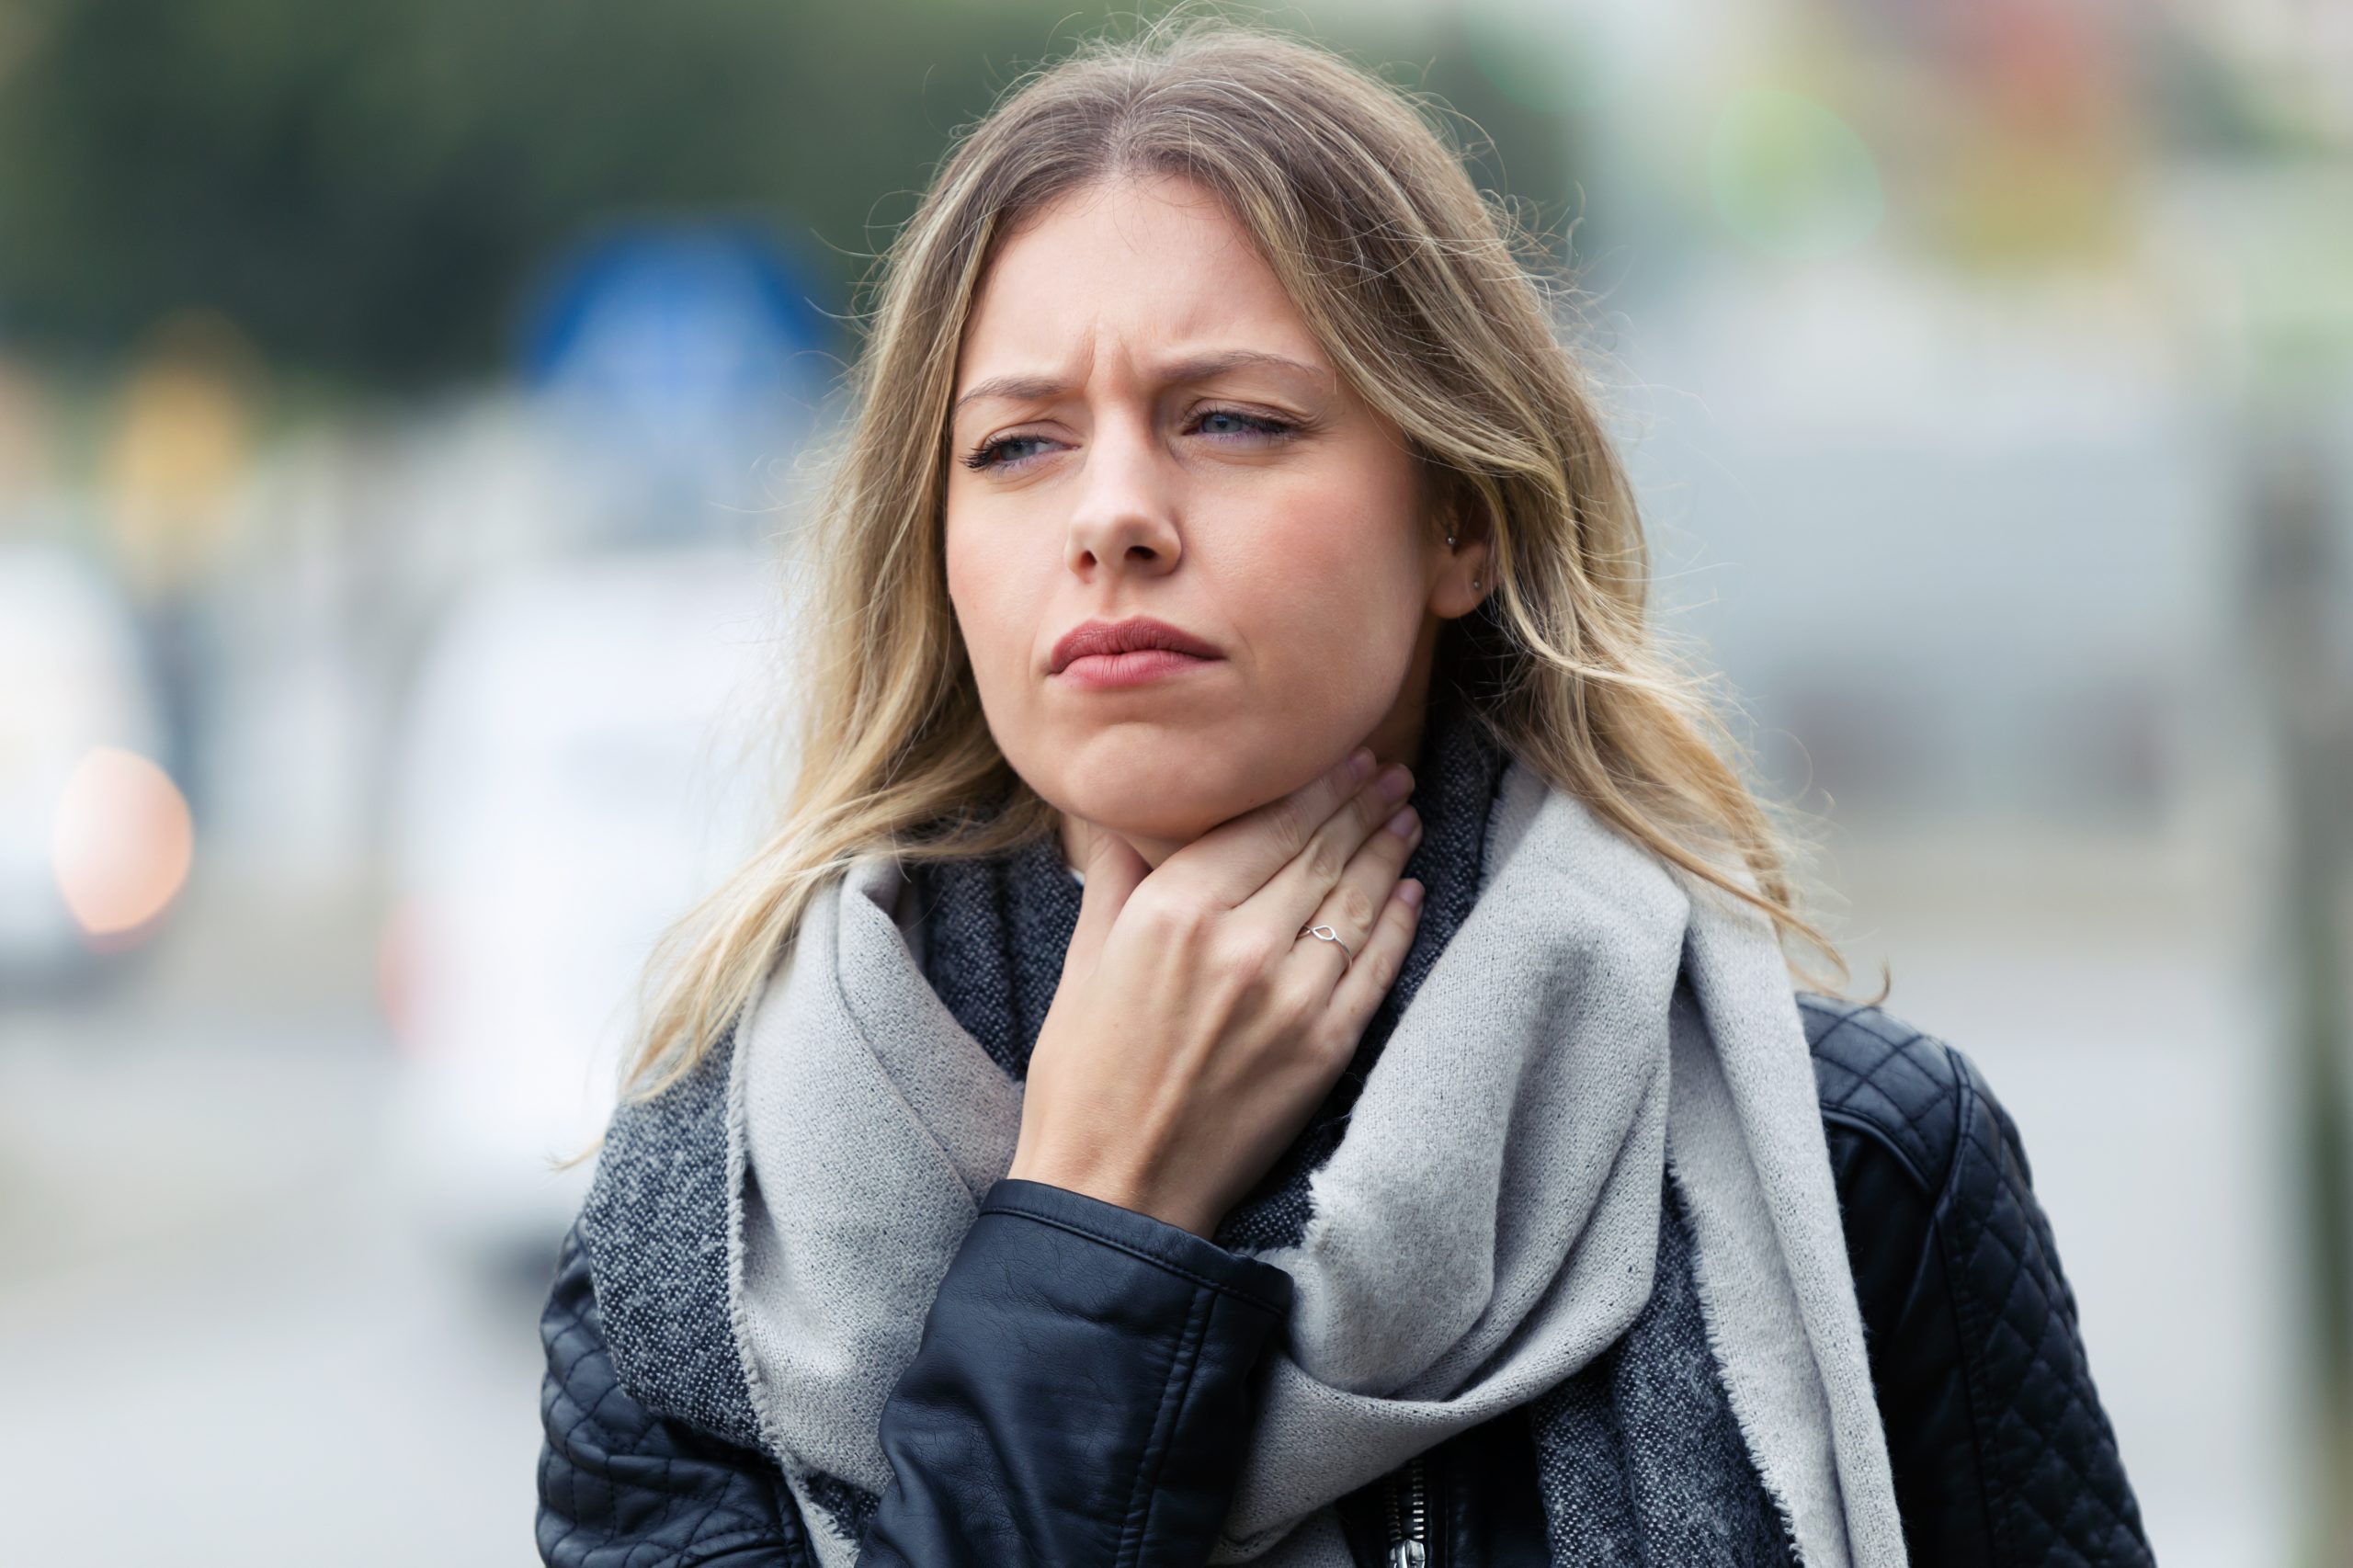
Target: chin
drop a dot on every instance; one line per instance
(1171, 788)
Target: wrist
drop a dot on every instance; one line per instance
(1116, 1185)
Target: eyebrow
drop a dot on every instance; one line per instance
(1200, 368)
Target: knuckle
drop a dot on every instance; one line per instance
(1296, 996)
(1175, 915)
(1322, 863)
(1252, 953)
(1357, 909)
(1289, 821)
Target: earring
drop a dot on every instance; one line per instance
(1474, 585)
(1450, 541)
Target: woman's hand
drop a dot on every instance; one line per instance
(1194, 1028)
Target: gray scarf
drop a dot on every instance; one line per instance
(1617, 1166)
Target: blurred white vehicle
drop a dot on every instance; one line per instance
(578, 766)
(71, 679)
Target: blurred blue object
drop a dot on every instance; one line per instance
(703, 312)
(681, 351)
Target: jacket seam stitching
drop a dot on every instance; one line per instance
(725, 1545)
(1132, 1251)
(1961, 1297)
(1878, 1134)
(1173, 1394)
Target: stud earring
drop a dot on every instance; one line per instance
(1450, 541)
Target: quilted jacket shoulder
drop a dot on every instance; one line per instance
(2002, 1453)
(1877, 1073)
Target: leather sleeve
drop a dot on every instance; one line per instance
(1085, 1378)
(622, 1488)
(2002, 1453)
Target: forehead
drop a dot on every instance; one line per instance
(1156, 265)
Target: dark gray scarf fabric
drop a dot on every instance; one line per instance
(1640, 1458)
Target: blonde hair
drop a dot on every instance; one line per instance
(1415, 286)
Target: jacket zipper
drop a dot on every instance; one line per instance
(1409, 1516)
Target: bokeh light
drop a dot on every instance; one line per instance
(122, 843)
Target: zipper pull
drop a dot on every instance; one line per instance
(1408, 1554)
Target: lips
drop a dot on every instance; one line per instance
(1102, 638)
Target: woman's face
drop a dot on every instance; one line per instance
(1143, 427)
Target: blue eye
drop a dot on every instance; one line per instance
(988, 454)
(1252, 423)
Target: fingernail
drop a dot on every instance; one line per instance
(1410, 892)
(1402, 825)
(1360, 763)
(1395, 784)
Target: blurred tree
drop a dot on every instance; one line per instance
(365, 187)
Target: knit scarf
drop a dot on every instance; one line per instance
(1575, 1164)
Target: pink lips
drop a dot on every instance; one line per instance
(1126, 652)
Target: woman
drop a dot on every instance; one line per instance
(1264, 1033)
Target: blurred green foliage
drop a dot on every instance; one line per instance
(366, 187)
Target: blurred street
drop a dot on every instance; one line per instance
(208, 1282)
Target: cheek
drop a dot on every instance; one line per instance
(1330, 579)
(984, 586)
(984, 591)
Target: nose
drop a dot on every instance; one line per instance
(1125, 520)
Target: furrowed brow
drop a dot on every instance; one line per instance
(1208, 366)
(1014, 388)
(1198, 368)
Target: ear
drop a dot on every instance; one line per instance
(1463, 572)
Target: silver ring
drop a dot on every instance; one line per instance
(1326, 933)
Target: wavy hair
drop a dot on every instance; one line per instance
(1435, 303)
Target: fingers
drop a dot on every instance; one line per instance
(1356, 899)
(1236, 858)
(1297, 894)
(1112, 869)
(1376, 968)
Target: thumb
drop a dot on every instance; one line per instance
(1112, 868)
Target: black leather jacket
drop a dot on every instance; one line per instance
(2002, 1454)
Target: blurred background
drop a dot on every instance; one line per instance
(400, 410)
